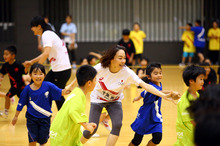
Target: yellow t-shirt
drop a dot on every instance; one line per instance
(137, 38)
(188, 38)
(213, 42)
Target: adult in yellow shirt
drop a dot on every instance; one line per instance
(214, 44)
(137, 37)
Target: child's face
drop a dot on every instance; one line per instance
(8, 56)
(156, 76)
(215, 24)
(84, 62)
(143, 62)
(37, 76)
(93, 61)
(125, 37)
(198, 84)
(136, 27)
(188, 27)
(207, 70)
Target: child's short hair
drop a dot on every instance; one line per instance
(198, 21)
(151, 67)
(12, 49)
(192, 72)
(136, 23)
(36, 67)
(145, 58)
(125, 32)
(84, 74)
(190, 24)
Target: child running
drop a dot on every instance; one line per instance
(38, 97)
(193, 77)
(149, 118)
(15, 70)
(65, 129)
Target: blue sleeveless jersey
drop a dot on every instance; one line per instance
(149, 118)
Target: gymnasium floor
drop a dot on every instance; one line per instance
(172, 80)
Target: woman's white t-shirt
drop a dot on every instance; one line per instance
(109, 86)
(58, 57)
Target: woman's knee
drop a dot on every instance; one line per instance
(116, 127)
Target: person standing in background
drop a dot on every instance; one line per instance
(199, 39)
(188, 48)
(137, 37)
(129, 45)
(214, 44)
(68, 30)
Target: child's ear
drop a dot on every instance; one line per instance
(89, 83)
(191, 81)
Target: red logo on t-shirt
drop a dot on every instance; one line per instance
(52, 59)
(16, 69)
(101, 78)
(129, 45)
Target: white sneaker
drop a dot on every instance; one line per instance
(3, 115)
(181, 64)
(12, 100)
(106, 124)
(95, 135)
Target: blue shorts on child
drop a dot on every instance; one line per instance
(188, 54)
(38, 129)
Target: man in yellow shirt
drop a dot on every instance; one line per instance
(137, 37)
(188, 48)
(214, 44)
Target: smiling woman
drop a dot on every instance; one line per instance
(113, 76)
(55, 51)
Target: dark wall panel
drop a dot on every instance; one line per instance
(166, 53)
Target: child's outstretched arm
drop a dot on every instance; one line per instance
(137, 98)
(89, 126)
(70, 87)
(153, 90)
(99, 56)
(14, 121)
(172, 95)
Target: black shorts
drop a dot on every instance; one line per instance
(136, 56)
(38, 129)
(59, 79)
(199, 50)
(14, 91)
